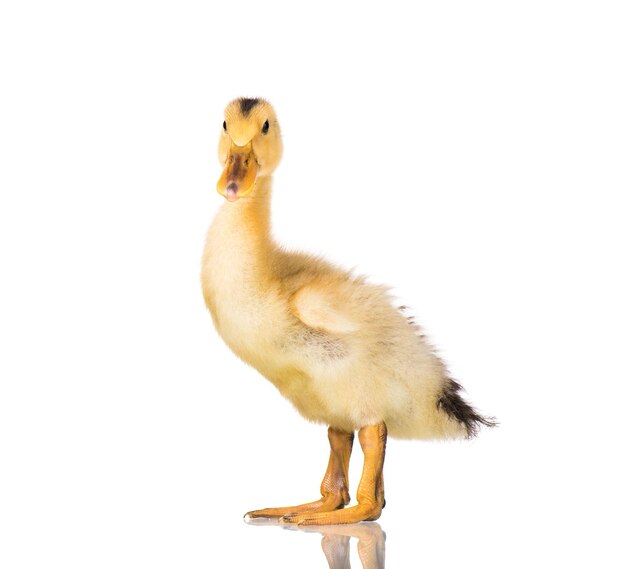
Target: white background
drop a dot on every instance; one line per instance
(469, 153)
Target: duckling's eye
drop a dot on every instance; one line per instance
(224, 126)
(266, 127)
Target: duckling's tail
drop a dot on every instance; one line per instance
(460, 410)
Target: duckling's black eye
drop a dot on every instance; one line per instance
(224, 126)
(266, 127)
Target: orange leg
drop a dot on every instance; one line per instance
(370, 494)
(334, 487)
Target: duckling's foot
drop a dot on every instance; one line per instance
(326, 504)
(370, 494)
(353, 515)
(334, 487)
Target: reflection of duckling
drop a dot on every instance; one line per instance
(332, 344)
(336, 542)
(370, 545)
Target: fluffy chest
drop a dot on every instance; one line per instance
(246, 313)
(238, 310)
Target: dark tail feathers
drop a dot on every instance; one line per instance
(460, 410)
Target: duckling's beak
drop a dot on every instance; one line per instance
(237, 179)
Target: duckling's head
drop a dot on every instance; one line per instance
(250, 146)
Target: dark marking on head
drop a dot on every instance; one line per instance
(246, 105)
(460, 410)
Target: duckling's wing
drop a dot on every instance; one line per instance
(325, 306)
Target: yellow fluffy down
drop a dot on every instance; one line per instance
(333, 344)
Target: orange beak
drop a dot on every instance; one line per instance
(237, 179)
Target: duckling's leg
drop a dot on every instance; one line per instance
(334, 487)
(370, 494)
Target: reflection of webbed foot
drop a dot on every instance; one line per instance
(336, 541)
(336, 548)
(336, 545)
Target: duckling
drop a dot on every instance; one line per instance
(332, 343)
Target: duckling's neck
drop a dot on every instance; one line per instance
(241, 232)
(237, 267)
(252, 214)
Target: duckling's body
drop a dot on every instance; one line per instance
(333, 344)
(373, 366)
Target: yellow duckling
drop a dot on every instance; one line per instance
(333, 344)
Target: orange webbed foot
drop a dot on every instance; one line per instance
(353, 515)
(370, 494)
(326, 504)
(334, 487)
